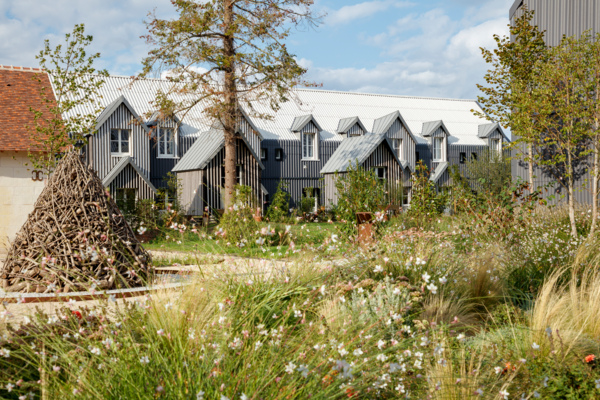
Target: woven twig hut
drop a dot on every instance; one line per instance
(75, 239)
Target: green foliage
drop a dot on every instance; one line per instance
(76, 83)
(238, 225)
(426, 202)
(358, 190)
(278, 209)
(225, 53)
(307, 204)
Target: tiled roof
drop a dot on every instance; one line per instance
(19, 90)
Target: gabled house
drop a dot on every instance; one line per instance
(369, 151)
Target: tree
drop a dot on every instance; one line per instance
(511, 81)
(592, 111)
(224, 53)
(75, 83)
(562, 113)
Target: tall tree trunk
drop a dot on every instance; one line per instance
(230, 109)
(595, 184)
(571, 191)
(530, 165)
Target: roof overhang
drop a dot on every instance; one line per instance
(117, 169)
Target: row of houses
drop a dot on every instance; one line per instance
(305, 143)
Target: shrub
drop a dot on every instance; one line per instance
(237, 225)
(278, 210)
(426, 203)
(359, 190)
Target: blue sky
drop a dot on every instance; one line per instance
(416, 48)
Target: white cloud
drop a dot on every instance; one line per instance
(347, 14)
(441, 59)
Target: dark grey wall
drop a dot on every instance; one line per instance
(159, 167)
(291, 168)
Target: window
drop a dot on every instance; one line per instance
(418, 157)
(495, 146)
(279, 154)
(125, 199)
(437, 148)
(239, 170)
(473, 156)
(308, 146)
(380, 172)
(462, 158)
(166, 142)
(119, 141)
(397, 143)
(264, 154)
(406, 195)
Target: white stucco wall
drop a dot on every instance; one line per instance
(18, 193)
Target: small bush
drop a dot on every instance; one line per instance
(280, 205)
(426, 203)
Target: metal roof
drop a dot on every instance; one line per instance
(430, 127)
(439, 170)
(346, 123)
(352, 150)
(486, 129)
(205, 148)
(120, 166)
(326, 108)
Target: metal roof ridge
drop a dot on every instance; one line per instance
(384, 95)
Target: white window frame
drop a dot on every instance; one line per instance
(438, 157)
(161, 137)
(398, 148)
(384, 169)
(309, 143)
(120, 141)
(496, 145)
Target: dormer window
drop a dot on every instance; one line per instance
(166, 142)
(438, 144)
(397, 143)
(119, 142)
(308, 146)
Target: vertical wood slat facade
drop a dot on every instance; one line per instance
(382, 156)
(98, 152)
(398, 131)
(202, 188)
(292, 169)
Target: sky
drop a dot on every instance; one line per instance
(405, 47)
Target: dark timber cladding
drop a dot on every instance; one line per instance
(206, 184)
(98, 152)
(297, 173)
(561, 17)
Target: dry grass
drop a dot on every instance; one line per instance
(571, 309)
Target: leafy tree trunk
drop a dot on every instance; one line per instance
(596, 173)
(571, 191)
(230, 109)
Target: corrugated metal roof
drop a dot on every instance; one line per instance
(204, 149)
(120, 166)
(430, 127)
(439, 170)
(486, 129)
(326, 107)
(352, 150)
(346, 123)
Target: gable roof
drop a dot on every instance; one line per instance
(439, 170)
(205, 148)
(20, 90)
(354, 149)
(301, 121)
(112, 107)
(120, 166)
(430, 127)
(383, 124)
(346, 123)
